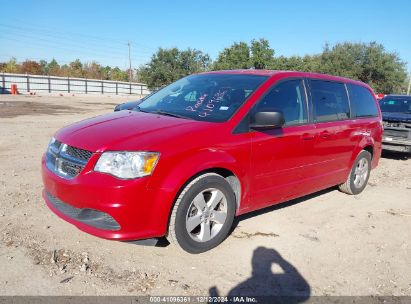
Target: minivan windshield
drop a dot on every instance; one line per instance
(206, 97)
(396, 104)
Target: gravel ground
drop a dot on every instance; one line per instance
(327, 243)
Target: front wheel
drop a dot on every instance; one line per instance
(359, 175)
(203, 214)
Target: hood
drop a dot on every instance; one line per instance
(400, 117)
(126, 130)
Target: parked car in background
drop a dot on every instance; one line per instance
(379, 96)
(210, 147)
(396, 115)
(127, 105)
(131, 104)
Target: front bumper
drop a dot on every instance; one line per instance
(107, 207)
(397, 139)
(397, 147)
(91, 217)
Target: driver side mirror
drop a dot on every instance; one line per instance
(267, 120)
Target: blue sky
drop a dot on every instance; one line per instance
(99, 30)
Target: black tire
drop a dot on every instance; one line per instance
(177, 229)
(351, 186)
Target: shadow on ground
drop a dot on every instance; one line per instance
(162, 242)
(395, 155)
(287, 285)
(286, 204)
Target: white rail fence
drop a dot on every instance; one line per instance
(52, 84)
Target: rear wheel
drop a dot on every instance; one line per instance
(203, 214)
(359, 175)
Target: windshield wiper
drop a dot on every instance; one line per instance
(160, 112)
(140, 110)
(168, 114)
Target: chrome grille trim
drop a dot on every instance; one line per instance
(66, 161)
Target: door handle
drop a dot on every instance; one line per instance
(307, 136)
(325, 134)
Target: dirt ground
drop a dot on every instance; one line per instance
(328, 243)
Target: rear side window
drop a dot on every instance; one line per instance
(330, 101)
(362, 102)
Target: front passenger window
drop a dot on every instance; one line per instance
(288, 97)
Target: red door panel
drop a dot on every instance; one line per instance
(280, 161)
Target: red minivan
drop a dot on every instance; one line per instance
(209, 147)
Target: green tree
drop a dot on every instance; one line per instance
(53, 68)
(106, 72)
(293, 63)
(76, 69)
(240, 55)
(237, 56)
(369, 62)
(193, 61)
(168, 65)
(296, 63)
(118, 75)
(11, 66)
(406, 86)
(262, 55)
(44, 67)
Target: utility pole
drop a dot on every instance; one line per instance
(130, 73)
(409, 84)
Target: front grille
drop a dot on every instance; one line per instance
(71, 169)
(397, 133)
(66, 161)
(91, 217)
(79, 153)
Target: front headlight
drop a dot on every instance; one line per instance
(127, 165)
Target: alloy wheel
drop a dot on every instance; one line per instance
(206, 215)
(361, 173)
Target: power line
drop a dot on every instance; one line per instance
(65, 40)
(59, 34)
(98, 48)
(63, 45)
(79, 51)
